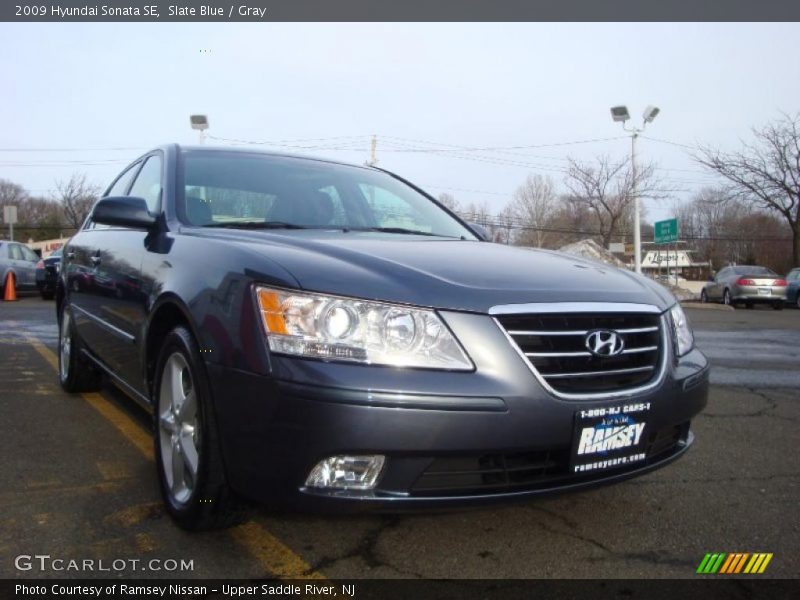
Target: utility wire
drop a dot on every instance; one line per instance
(670, 142)
(115, 149)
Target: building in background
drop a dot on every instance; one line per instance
(673, 258)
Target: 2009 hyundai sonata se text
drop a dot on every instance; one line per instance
(326, 336)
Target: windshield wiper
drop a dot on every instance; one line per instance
(257, 225)
(401, 230)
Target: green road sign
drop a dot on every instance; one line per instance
(666, 231)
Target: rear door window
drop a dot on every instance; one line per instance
(29, 254)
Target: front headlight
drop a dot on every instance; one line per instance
(684, 339)
(332, 327)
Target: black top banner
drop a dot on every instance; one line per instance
(398, 10)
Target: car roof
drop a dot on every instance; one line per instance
(250, 150)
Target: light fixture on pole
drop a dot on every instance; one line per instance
(620, 114)
(199, 122)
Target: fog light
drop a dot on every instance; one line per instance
(346, 472)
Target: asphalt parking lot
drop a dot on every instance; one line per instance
(78, 483)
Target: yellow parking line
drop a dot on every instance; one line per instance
(277, 558)
(270, 551)
(134, 434)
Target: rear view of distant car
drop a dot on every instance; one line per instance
(47, 271)
(746, 284)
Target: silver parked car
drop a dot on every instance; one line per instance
(746, 284)
(20, 260)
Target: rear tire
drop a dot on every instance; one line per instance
(191, 473)
(777, 306)
(47, 295)
(75, 373)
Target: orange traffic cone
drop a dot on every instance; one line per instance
(11, 291)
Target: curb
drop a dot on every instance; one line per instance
(695, 304)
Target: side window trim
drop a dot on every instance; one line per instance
(134, 166)
(142, 161)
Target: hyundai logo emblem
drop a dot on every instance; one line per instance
(604, 342)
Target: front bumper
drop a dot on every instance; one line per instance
(275, 428)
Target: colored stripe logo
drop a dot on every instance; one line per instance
(734, 563)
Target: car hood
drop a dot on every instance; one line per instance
(439, 272)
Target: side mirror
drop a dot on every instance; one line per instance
(711, 278)
(480, 231)
(124, 211)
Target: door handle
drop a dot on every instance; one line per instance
(70, 255)
(96, 260)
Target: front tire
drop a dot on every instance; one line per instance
(191, 474)
(75, 373)
(703, 297)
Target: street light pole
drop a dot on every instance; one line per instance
(637, 228)
(200, 123)
(620, 114)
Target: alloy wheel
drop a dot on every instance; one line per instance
(179, 428)
(726, 298)
(65, 346)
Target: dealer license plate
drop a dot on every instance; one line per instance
(609, 437)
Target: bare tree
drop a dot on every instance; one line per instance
(765, 171)
(534, 206)
(726, 229)
(77, 198)
(11, 193)
(477, 213)
(507, 221)
(480, 214)
(607, 189)
(449, 201)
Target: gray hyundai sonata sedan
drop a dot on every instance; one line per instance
(327, 336)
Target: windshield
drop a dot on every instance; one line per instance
(751, 270)
(236, 189)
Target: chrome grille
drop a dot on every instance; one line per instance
(555, 346)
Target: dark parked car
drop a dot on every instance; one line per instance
(20, 260)
(327, 336)
(746, 284)
(47, 274)
(793, 287)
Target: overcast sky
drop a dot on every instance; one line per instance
(417, 86)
